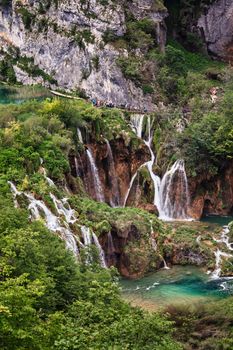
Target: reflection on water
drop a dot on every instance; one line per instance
(9, 94)
(179, 285)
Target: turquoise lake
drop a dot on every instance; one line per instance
(180, 285)
(14, 94)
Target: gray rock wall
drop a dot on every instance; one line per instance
(216, 27)
(56, 51)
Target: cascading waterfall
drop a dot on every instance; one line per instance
(137, 123)
(50, 181)
(115, 201)
(174, 195)
(38, 207)
(90, 238)
(79, 135)
(100, 250)
(86, 234)
(15, 193)
(220, 254)
(63, 208)
(61, 223)
(171, 195)
(76, 166)
(95, 177)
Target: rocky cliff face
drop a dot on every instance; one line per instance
(212, 195)
(216, 27)
(66, 40)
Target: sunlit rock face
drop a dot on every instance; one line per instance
(67, 42)
(216, 27)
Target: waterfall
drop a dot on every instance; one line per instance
(171, 195)
(137, 123)
(36, 207)
(95, 177)
(86, 234)
(174, 195)
(76, 166)
(88, 238)
(115, 201)
(79, 135)
(100, 250)
(63, 208)
(15, 193)
(110, 243)
(50, 181)
(38, 210)
(165, 264)
(220, 254)
(225, 239)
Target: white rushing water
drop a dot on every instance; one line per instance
(79, 135)
(39, 210)
(95, 177)
(115, 201)
(219, 255)
(100, 250)
(60, 223)
(174, 195)
(171, 195)
(89, 238)
(76, 166)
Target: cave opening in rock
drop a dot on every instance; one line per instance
(207, 208)
(182, 22)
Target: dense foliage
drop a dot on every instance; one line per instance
(48, 301)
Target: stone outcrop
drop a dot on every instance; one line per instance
(66, 42)
(216, 28)
(212, 195)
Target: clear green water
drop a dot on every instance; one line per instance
(181, 285)
(220, 220)
(9, 94)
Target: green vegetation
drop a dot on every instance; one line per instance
(48, 301)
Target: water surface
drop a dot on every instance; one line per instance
(19, 94)
(215, 219)
(181, 285)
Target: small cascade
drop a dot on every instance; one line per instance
(115, 201)
(174, 194)
(96, 179)
(54, 223)
(76, 167)
(100, 250)
(87, 237)
(110, 243)
(15, 193)
(86, 234)
(165, 264)
(64, 209)
(220, 254)
(50, 181)
(38, 208)
(79, 135)
(43, 170)
(225, 239)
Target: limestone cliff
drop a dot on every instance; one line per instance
(216, 27)
(70, 41)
